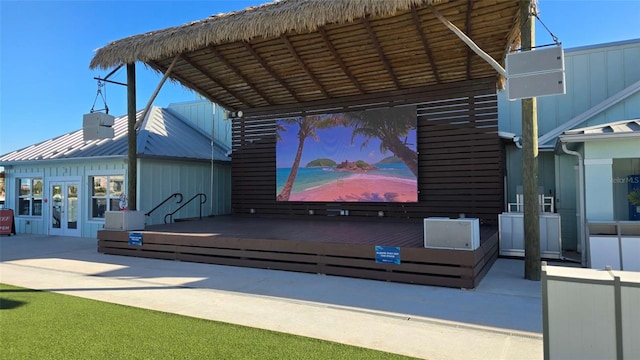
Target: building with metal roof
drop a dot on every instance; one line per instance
(65, 185)
(589, 143)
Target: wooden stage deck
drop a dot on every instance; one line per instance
(331, 246)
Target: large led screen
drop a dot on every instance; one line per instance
(364, 156)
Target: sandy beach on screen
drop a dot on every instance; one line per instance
(362, 187)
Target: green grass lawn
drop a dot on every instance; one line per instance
(42, 325)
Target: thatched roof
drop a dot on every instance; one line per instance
(304, 50)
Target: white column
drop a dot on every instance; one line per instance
(598, 189)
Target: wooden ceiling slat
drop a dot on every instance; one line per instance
(327, 41)
(470, 35)
(425, 44)
(266, 67)
(240, 75)
(186, 59)
(383, 59)
(184, 81)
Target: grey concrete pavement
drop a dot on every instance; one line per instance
(501, 319)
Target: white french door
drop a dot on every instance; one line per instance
(64, 211)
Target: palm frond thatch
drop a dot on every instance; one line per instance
(268, 20)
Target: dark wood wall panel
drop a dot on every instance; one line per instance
(460, 155)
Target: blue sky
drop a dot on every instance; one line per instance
(46, 46)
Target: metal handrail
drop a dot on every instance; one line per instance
(164, 201)
(203, 199)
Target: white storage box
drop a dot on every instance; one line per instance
(458, 234)
(97, 119)
(97, 133)
(511, 229)
(124, 220)
(97, 125)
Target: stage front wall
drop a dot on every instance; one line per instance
(460, 164)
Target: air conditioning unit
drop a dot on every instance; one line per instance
(124, 220)
(457, 234)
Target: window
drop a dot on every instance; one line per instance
(29, 196)
(105, 194)
(2, 189)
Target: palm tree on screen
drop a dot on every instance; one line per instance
(392, 127)
(307, 128)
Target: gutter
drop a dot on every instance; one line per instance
(517, 140)
(598, 137)
(61, 160)
(581, 201)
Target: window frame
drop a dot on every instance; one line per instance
(110, 198)
(30, 197)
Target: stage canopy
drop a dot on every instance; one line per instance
(297, 51)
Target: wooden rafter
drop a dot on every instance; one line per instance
(468, 31)
(376, 45)
(425, 43)
(271, 72)
(304, 67)
(338, 60)
(236, 71)
(186, 59)
(186, 83)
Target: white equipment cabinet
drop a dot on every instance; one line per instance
(124, 220)
(457, 234)
(511, 229)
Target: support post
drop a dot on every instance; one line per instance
(132, 143)
(530, 157)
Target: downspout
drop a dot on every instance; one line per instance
(581, 210)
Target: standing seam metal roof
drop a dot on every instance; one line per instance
(162, 134)
(618, 127)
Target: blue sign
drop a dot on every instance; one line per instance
(135, 238)
(388, 254)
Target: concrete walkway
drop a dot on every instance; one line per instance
(501, 319)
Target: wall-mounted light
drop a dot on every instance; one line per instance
(252, 211)
(235, 114)
(311, 212)
(380, 213)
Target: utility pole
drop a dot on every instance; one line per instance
(530, 156)
(132, 142)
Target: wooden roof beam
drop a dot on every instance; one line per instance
(468, 31)
(271, 71)
(473, 46)
(338, 60)
(304, 67)
(190, 85)
(215, 82)
(376, 45)
(236, 71)
(425, 44)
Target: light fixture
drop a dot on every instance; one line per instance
(311, 212)
(380, 213)
(252, 211)
(235, 114)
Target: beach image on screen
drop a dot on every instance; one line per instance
(363, 156)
